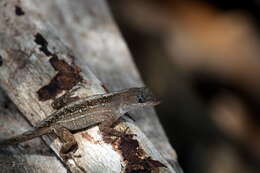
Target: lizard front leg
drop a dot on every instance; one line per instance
(69, 143)
(65, 99)
(106, 127)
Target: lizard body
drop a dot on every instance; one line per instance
(103, 109)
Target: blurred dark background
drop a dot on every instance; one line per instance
(203, 59)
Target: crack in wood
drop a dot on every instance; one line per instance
(1, 60)
(19, 11)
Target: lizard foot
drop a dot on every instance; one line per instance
(68, 151)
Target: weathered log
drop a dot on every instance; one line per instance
(37, 66)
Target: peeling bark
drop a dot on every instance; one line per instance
(36, 66)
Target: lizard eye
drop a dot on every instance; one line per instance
(140, 99)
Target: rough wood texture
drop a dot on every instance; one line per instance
(31, 157)
(33, 56)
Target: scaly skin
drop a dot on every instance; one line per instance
(103, 109)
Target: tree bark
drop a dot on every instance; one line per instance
(37, 66)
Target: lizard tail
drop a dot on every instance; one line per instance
(25, 136)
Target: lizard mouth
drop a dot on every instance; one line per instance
(154, 102)
(157, 102)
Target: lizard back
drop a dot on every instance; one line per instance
(83, 113)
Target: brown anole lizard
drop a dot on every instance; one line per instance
(102, 110)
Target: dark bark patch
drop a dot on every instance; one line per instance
(135, 157)
(67, 76)
(19, 11)
(40, 40)
(1, 60)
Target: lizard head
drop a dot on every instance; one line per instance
(139, 97)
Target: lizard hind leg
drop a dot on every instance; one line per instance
(69, 143)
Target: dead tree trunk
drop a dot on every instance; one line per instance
(49, 47)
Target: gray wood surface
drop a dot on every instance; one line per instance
(80, 32)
